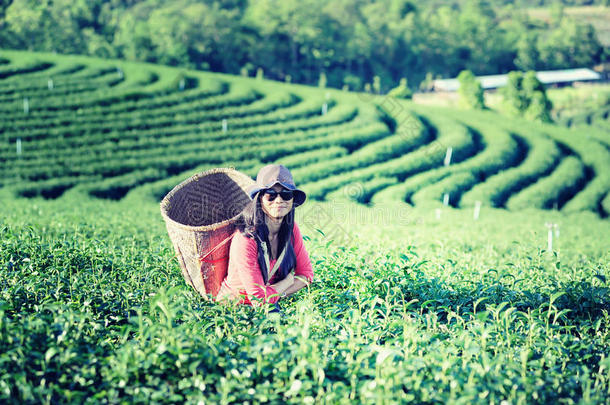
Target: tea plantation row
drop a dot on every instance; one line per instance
(103, 128)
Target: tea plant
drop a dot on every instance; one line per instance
(93, 308)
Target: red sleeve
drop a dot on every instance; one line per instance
(303, 267)
(243, 253)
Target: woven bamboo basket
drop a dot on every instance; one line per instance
(200, 215)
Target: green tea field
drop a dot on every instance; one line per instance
(459, 256)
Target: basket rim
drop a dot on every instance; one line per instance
(202, 228)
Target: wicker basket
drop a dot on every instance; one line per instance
(200, 216)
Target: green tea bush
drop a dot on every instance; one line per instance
(452, 185)
(542, 156)
(565, 180)
(499, 150)
(361, 192)
(93, 308)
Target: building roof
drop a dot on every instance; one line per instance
(545, 77)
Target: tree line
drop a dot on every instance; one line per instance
(340, 43)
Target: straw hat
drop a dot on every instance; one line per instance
(270, 175)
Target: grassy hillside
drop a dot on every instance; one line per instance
(412, 300)
(104, 128)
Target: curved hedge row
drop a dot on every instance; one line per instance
(361, 191)
(26, 67)
(425, 157)
(318, 155)
(452, 185)
(193, 131)
(378, 151)
(554, 189)
(59, 89)
(499, 151)
(584, 142)
(64, 68)
(38, 130)
(158, 189)
(24, 167)
(127, 107)
(543, 156)
(606, 205)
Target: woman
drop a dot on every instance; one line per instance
(267, 257)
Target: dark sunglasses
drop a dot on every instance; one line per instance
(285, 194)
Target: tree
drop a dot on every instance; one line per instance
(4, 4)
(186, 33)
(322, 80)
(470, 91)
(513, 102)
(43, 25)
(402, 91)
(528, 56)
(570, 45)
(538, 106)
(524, 95)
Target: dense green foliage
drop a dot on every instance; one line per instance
(470, 91)
(402, 90)
(525, 96)
(350, 42)
(93, 309)
(406, 305)
(585, 105)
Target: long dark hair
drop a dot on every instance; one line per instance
(252, 224)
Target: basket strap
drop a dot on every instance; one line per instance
(202, 258)
(276, 266)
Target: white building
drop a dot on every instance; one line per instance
(548, 77)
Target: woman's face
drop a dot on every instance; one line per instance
(277, 208)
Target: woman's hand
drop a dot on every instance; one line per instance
(285, 284)
(299, 282)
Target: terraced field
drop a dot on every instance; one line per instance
(104, 129)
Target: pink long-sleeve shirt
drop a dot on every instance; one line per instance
(244, 278)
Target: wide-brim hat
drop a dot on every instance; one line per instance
(270, 175)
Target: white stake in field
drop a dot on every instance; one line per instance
(447, 161)
(549, 244)
(477, 209)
